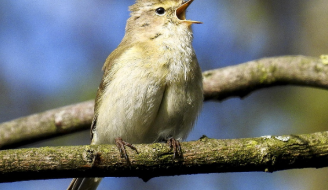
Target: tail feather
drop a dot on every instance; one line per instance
(84, 183)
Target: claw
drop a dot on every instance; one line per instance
(121, 147)
(175, 145)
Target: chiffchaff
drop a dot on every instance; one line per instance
(151, 89)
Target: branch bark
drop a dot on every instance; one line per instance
(242, 79)
(268, 154)
(219, 84)
(46, 124)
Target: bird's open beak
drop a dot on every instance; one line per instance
(181, 13)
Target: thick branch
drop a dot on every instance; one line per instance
(219, 84)
(47, 124)
(270, 153)
(242, 79)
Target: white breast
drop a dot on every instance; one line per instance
(147, 101)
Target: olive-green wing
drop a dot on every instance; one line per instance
(106, 69)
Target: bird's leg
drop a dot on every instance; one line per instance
(175, 145)
(121, 147)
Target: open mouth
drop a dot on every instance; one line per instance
(181, 13)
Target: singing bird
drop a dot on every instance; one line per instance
(151, 88)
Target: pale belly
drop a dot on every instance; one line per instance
(149, 112)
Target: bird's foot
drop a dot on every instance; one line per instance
(175, 145)
(121, 147)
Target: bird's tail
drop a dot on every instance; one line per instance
(84, 183)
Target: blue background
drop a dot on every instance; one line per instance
(51, 54)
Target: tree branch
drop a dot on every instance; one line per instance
(46, 124)
(219, 84)
(242, 79)
(269, 153)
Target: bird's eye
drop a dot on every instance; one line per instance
(160, 11)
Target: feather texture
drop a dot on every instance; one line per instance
(152, 84)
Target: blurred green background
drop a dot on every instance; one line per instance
(51, 54)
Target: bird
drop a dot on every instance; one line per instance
(151, 89)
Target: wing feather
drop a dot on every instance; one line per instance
(106, 69)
